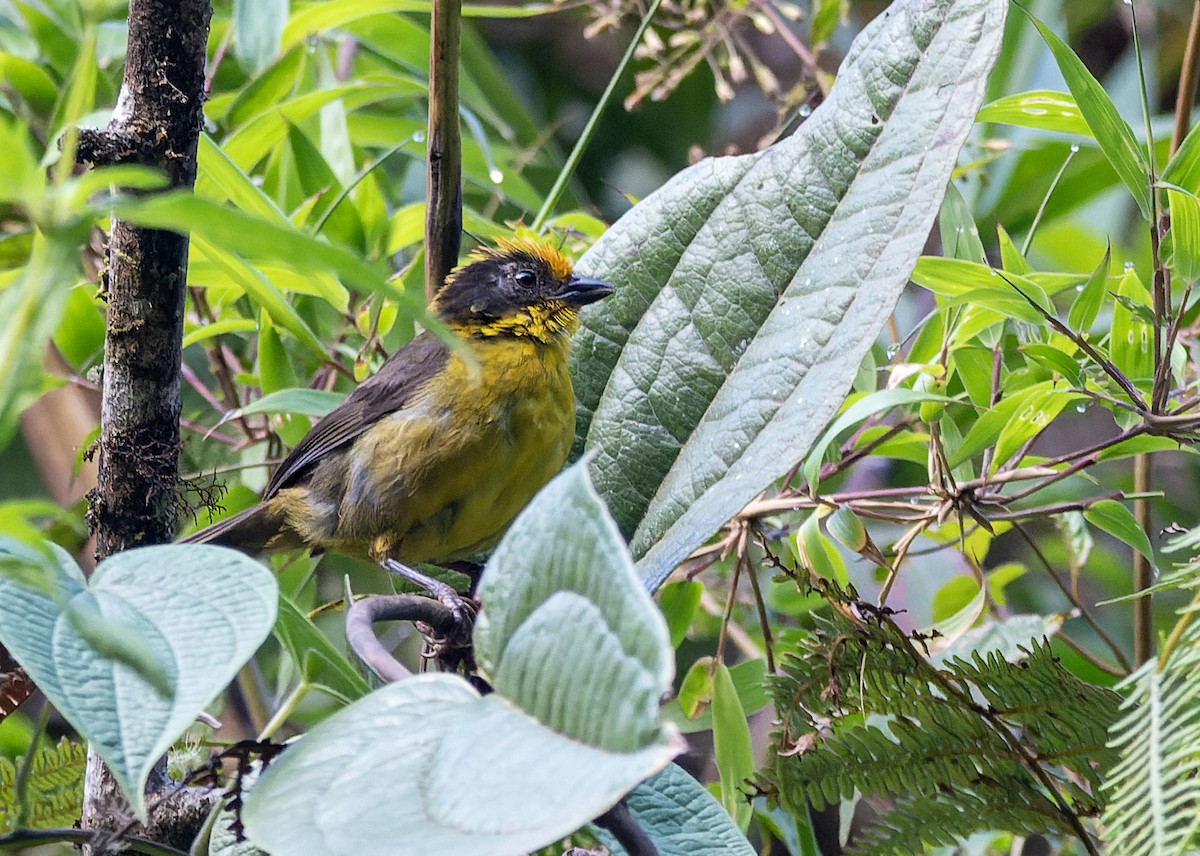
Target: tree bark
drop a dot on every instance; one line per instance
(443, 177)
(156, 123)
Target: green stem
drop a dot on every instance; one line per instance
(568, 169)
(21, 786)
(285, 711)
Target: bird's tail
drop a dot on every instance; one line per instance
(256, 530)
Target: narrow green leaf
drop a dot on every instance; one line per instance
(1118, 521)
(30, 311)
(732, 749)
(1030, 419)
(974, 368)
(1041, 109)
(1142, 445)
(1086, 305)
(696, 689)
(867, 406)
(1183, 169)
(276, 374)
(79, 94)
(1112, 133)
(1056, 360)
(693, 409)
(219, 328)
(301, 402)
(1011, 258)
(260, 290)
(679, 601)
(221, 179)
(825, 20)
(235, 231)
(986, 429)
(970, 283)
(847, 529)
(817, 555)
(1185, 234)
(957, 605)
(1131, 342)
(317, 660)
(258, 137)
(29, 80)
(960, 235)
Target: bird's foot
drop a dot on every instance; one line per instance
(462, 610)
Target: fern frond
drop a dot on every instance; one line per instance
(1154, 790)
(55, 788)
(955, 748)
(915, 822)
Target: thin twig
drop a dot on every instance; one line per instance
(1118, 655)
(1143, 607)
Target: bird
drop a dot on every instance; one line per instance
(431, 458)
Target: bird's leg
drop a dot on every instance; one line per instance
(463, 613)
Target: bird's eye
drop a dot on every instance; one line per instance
(525, 278)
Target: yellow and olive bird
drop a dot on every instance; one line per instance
(431, 458)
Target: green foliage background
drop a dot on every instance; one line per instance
(981, 468)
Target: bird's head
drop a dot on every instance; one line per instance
(519, 288)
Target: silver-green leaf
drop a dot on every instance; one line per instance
(749, 288)
(579, 657)
(130, 656)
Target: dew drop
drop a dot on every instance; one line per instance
(495, 175)
(418, 136)
(1074, 148)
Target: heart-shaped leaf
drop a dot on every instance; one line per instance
(132, 655)
(749, 288)
(579, 657)
(567, 632)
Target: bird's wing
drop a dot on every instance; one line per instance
(388, 390)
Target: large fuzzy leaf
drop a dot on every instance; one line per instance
(749, 288)
(579, 658)
(130, 656)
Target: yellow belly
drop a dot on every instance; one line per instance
(443, 478)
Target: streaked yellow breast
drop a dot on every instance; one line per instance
(442, 478)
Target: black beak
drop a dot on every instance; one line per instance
(582, 290)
